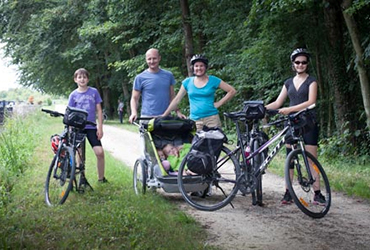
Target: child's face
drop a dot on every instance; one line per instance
(82, 80)
(170, 149)
(161, 154)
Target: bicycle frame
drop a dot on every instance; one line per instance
(280, 135)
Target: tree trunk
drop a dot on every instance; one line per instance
(355, 38)
(336, 63)
(126, 97)
(188, 33)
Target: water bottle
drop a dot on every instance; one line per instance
(247, 152)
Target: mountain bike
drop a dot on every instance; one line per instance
(252, 137)
(67, 169)
(308, 176)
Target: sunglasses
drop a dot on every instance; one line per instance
(299, 62)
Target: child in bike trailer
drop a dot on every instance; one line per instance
(302, 92)
(174, 156)
(88, 98)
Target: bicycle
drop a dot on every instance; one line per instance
(236, 175)
(252, 139)
(306, 167)
(63, 174)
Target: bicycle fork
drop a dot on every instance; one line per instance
(301, 181)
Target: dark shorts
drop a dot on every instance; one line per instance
(92, 137)
(312, 137)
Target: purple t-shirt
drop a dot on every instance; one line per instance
(87, 101)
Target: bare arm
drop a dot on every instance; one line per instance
(134, 102)
(312, 96)
(230, 92)
(175, 101)
(178, 112)
(280, 100)
(99, 111)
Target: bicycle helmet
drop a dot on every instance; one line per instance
(55, 140)
(199, 58)
(300, 52)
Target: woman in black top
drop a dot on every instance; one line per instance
(302, 92)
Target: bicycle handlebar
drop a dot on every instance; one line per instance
(57, 114)
(52, 112)
(284, 118)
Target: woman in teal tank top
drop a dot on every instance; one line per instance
(201, 89)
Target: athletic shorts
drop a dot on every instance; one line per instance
(312, 136)
(92, 137)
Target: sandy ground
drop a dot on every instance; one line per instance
(273, 226)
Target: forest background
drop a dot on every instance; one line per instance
(248, 44)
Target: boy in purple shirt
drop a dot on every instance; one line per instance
(88, 98)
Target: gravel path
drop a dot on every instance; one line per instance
(274, 226)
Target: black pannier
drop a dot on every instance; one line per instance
(206, 148)
(254, 109)
(170, 124)
(75, 117)
(169, 129)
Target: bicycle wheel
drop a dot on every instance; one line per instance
(256, 163)
(212, 191)
(302, 189)
(140, 177)
(59, 180)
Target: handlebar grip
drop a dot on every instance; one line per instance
(272, 112)
(52, 112)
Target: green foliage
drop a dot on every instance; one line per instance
(248, 44)
(16, 147)
(341, 146)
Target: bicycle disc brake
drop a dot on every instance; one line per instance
(305, 185)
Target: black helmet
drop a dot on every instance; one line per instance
(199, 58)
(300, 52)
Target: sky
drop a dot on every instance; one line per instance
(8, 74)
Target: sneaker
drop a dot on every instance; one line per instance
(287, 199)
(104, 180)
(319, 199)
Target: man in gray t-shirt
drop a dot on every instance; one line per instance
(154, 85)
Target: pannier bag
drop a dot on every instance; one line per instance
(254, 110)
(170, 124)
(205, 150)
(75, 117)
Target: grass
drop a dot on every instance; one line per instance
(110, 217)
(344, 175)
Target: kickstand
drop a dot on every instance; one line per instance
(83, 182)
(218, 186)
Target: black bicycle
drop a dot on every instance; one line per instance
(252, 137)
(303, 173)
(66, 170)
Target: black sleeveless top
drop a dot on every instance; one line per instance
(301, 95)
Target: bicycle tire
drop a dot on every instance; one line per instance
(59, 180)
(217, 189)
(257, 160)
(302, 191)
(140, 177)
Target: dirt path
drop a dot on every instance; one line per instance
(274, 226)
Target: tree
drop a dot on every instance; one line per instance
(355, 38)
(188, 33)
